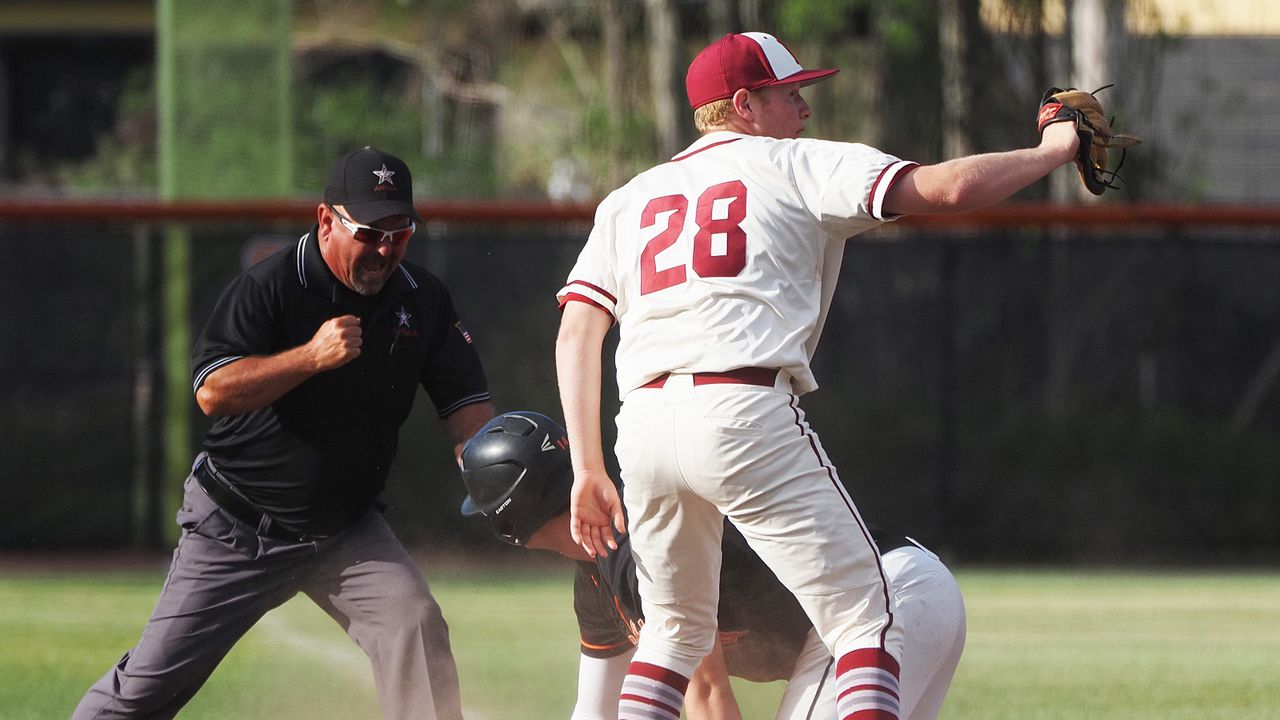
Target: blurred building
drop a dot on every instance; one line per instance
(1200, 75)
(63, 64)
(1214, 97)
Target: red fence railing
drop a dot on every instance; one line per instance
(516, 211)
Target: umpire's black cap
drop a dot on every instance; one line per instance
(371, 184)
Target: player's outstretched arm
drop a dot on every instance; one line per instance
(710, 696)
(975, 181)
(595, 507)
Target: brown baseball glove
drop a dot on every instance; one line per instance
(1096, 137)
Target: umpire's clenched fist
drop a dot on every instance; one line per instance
(337, 342)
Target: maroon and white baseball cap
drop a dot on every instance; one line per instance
(744, 60)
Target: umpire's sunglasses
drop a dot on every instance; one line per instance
(370, 235)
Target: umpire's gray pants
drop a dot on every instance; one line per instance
(224, 577)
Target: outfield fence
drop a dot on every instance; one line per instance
(1026, 383)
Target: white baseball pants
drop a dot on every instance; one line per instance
(690, 454)
(931, 613)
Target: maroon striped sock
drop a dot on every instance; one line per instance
(867, 685)
(651, 692)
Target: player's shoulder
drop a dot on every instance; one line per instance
(823, 149)
(623, 200)
(686, 168)
(729, 148)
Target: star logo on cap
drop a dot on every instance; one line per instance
(384, 175)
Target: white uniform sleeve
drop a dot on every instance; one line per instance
(600, 685)
(845, 183)
(592, 279)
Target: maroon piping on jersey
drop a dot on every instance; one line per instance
(597, 288)
(583, 298)
(871, 198)
(570, 297)
(884, 581)
(678, 158)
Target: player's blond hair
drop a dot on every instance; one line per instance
(713, 115)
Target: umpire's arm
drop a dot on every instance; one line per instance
(255, 382)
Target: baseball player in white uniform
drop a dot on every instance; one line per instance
(719, 267)
(519, 475)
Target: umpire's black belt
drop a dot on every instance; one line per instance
(241, 509)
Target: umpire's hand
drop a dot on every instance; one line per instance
(336, 343)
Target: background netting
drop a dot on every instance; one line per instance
(1078, 395)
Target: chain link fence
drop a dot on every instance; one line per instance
(1072, 393)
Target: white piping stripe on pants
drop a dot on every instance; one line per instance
(844, 494)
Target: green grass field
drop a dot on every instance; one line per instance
(1042, 644)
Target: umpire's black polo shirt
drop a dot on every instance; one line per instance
(317, 458)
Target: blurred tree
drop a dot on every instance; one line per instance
(614, 19)
(125, 161)
(721, 20)
(418, 77)
(666, 72)
(491, 97)
(958, 27)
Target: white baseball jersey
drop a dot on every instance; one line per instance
(728, 255)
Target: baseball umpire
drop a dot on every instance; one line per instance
(518, 476)
(719, 268)
(310, 364)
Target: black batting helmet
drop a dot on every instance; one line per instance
(517, 473)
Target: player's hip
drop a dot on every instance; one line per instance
(720, 441)
(678, 413)
(919, 576)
